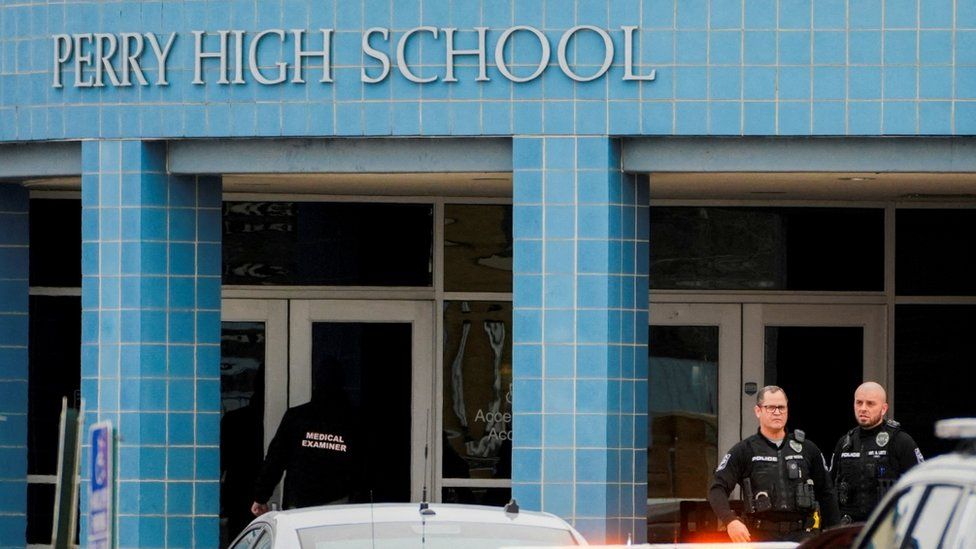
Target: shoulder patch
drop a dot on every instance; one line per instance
(918, 455)
(723, 463)
(882, 438)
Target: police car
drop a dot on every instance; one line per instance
(396, 525)
(932, 505)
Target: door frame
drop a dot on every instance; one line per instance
(756, 316)
(420, 314)
(274, 314)
(728, 318)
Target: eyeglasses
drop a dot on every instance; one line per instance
(774, 408)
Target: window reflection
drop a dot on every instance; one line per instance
(722, 248)
(328, 244)
(477, 390)
(683, 423)
(477, 248)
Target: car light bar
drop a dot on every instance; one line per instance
(962, 428)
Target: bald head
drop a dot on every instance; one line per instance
(870, 404)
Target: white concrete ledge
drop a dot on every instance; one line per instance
(341, 155)
(800, 154)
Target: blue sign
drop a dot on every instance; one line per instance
(100, 486)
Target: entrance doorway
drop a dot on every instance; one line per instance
(271, 351)
(706, 363)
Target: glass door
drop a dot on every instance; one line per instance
(694, 365)
(384, 353)
(818, 354)
(253, 355)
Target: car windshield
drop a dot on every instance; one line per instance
(437, 535)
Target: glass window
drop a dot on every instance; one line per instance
(55, 243)
(249, 539)
(476, 495)
(435, 534)
(371, 363)
(477, 248)
(265, 541)
(820, 404)
(892, 524)
(682, 420)
(477, 437)
(722, 248)
(930, 526)
(964, 529)
(242, 352)
(55, 373)
(327, 244)
(935, 252)
(934, 357)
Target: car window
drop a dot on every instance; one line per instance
(433, 535)
(248, 539)
(930, 526)
(265, 542)
(889, 529)
(965, 526)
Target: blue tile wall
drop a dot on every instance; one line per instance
(13, 363)
(150, 333)
(684, 40)
(580, 360)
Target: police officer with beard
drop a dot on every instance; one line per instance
(870, 457)
(319, 448)
(783, 478)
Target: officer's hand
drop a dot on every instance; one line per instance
(258, 509)
(738, 531)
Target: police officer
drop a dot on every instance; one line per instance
(318, 446)
(783, 478)
(870, 457)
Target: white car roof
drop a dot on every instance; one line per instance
(409, 512)
(955, 468)
(364, 513)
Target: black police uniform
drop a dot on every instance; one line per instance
(866, 462)
(318, 448)
(787, 482)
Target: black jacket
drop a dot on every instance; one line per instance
(318, 449)
(768, 468)
(866, 462)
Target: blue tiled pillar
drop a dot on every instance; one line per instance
(14, 288)
(580, 335)
(151, 338)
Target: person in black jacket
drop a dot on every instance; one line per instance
(869, 458)
(783, 476)
(317, 446)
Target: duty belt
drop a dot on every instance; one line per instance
(781, 526)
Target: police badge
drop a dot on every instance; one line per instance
(882, 438)
(797, 447)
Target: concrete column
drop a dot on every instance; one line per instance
(151, 338)
(580, 336)
(14, 288)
